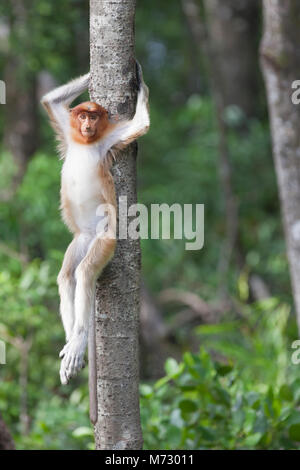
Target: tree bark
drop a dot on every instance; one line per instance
(280, 59)
(113, 85)
(233, 29)
(6, 441)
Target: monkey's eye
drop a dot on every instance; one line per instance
(82, 116)
(93, 117)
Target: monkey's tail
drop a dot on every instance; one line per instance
(92, 369)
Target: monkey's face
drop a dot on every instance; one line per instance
(89, 123)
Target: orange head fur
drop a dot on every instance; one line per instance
(89, 122)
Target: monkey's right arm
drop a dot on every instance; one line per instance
(57, 102)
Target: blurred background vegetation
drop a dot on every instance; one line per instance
(216, 324)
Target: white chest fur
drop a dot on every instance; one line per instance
(80, 172)
(80, 178)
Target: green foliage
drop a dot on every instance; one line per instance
(60, 424)
(261, 334)
(28, 300)
(248, 400)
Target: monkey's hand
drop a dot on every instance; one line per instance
(73, 356)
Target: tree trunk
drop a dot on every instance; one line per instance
(6, 441)
(21, 119)
(280, 59)
(233, 27)
(21, 124)
(113, 85)
(213, 51)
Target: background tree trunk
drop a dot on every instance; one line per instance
(280, 58)
(6, 441)
(233, 25)
(113, 85)
(213, 49)
(21, 132)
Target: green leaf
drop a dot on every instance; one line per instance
(294, 418)
(172, 368)
(218, 328)
(294, 432)
(161, 382)
(220, 395)
(253, 440)
(206, 433)
(286, 393)
(145, 390)
(176, 418)
(82, 431)
(188, 406)
(243, 286)
(253, 399)
(223, 369)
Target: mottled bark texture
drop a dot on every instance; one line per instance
(6, 441)
(280, 58)
(113, 85)
(233, 26)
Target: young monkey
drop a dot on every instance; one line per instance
(88, 139)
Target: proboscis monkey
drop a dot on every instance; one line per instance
(87, 139)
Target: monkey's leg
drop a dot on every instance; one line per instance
(99, 253)
(66, 280)
(66, 288)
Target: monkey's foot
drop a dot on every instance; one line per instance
(72, 357)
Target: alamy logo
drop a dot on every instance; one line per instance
(2, 92)
(296, 353)
(178, 222)
(2, 353)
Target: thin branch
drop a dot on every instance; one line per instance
(6, 250)
(207, 313)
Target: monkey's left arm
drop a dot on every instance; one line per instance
(127, 131)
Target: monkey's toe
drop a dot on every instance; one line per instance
(63, 351)
(63, 375)
(74, 366)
